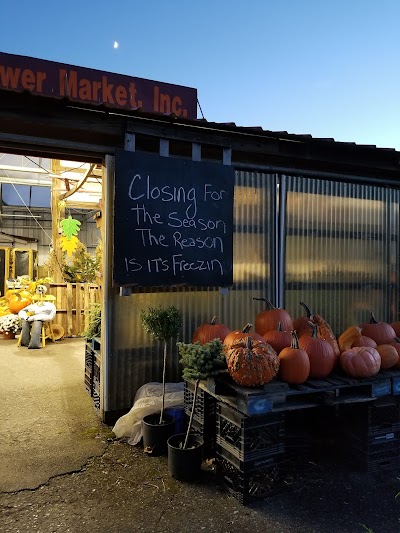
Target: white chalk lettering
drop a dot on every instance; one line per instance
(167, 193)
(157, 265)
(198, 242)
(148, 238)
(132, 265)
(143, 216)
(181, 265)
(213, 195)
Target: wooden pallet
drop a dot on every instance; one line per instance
(279, 396)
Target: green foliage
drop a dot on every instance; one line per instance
(82, 268)
(162, 323)
(94, 327)
(201, 360)
(70, 226)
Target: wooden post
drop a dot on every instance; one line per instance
(57, 213)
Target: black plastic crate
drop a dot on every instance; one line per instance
(372, 415)
(250, 486)
(249, 465)
(204, 410)
(249, 437)
(207, 434)
(374, 438)
(384, 457)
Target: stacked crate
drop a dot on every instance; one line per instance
(250, 452)
(92, 371)
(203, 424)
(372, 434)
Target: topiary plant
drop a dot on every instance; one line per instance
(162, 324)
(200, 361)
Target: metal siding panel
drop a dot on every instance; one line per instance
(135, 358)
(342, 247)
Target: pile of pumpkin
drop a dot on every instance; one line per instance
(14, 300)
(296, 350)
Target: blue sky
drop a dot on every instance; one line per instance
(329, 69)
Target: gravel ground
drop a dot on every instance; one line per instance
(124, 490)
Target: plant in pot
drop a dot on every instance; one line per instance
(163, 324)
(200, 361)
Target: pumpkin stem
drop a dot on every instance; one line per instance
(249, 347)
(213, 321)
(308, 310)
(280, 328)
(295, 340)
(269, 304)
(372, 319)
(247, 328)
(314, 328)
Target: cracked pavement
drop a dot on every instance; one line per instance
(61, 471)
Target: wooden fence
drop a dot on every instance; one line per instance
(73, 302)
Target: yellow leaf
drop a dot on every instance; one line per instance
(69, 245)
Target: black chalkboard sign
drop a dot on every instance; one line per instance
(173, 221)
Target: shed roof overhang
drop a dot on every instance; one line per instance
(32, 124)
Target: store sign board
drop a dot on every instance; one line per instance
(173, 222)
(47, 78)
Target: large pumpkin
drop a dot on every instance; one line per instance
(278, 338)
(302, 326)
(252, 363)
(364, 341)
(380, 332)
(360, 362)
(397, 346)
(269, 319)
(237, 334)
(389, 355)
(320, 353)
(17, 302)
(294, 365)
(210, 331)
(396, 327)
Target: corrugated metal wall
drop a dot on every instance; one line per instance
(135, 358)
(342, 250)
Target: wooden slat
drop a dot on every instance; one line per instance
(69, 307)
(86, 305)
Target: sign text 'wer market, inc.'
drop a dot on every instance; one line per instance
(173, 221)
(47, 78)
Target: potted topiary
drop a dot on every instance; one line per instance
(185, 450)
(162, 324)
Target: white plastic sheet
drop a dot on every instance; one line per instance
(147, 401)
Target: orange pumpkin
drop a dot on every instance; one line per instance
(252, 363)
(18, 302)
(278, 338)
(237, 334)
(302, 326)
(360, 362)
(320, 353)
(269, 319)
(294, 363)
(389, 355)
(396, 327)
(380, 332)
(364, 341)
(210, 331)
(397, 346)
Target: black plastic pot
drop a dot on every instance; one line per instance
(156, 435)
(185, 465)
